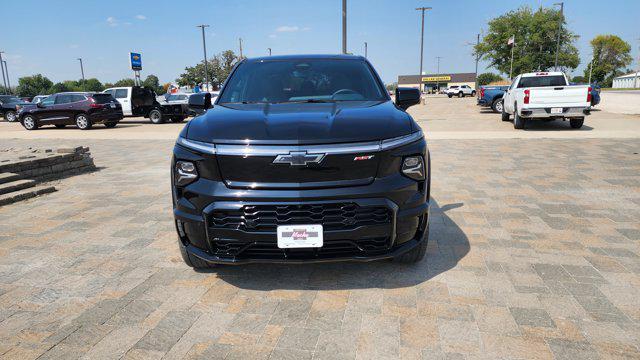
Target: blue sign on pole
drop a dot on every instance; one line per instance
(136, 61)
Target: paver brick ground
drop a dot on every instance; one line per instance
(534, 253)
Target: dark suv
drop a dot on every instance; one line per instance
(302, 159)
(80, 109)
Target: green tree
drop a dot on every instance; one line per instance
(153, 82)
(392, 87)
(57, 88)
(92, 84)
(611, 54)
(219, 68)
(535, 37)
(72, 85)
(579, 79)
(30, 86)
(488, 78)
(125, 82)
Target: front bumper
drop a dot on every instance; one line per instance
(381, 220)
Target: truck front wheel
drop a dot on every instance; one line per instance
(497, 106)
(576, 123)
(155, 116)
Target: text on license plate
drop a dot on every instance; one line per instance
(556, 110)
(299, 236)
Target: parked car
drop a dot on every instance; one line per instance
(141, 101)
(9, 105)
(546, 95)
(302, 159)
(72, 108)
(491, 96)
(460, 91)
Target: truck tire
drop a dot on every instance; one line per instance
(110, 124)
(497, 106)
(518, 121)
(155, 116)
(460, 94)
(576, 123)
(505, 115)
(450, 96)
(417, 253)
(473, 93)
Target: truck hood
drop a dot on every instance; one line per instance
(301, 123)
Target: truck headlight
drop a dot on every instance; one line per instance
(185, 173)
(413, 167)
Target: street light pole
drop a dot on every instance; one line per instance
(365, 49)
(204, 48)
(344, 26)
(590, 69)
(635, 81)
(6, 69)
(4, 80)
(438, 74)
(269, 51)
(240, 40)
(422, 10)
(82, 72)
(559, 31)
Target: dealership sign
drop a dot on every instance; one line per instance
(136, 61)
(436, 78)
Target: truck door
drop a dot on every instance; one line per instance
(124, 98)
(508, 97)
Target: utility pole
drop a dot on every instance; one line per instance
(240, 40)
(438, 74)
(4, 80)
(559, 31)
(365, 49)
(636, 84)
(204, 48)
(6, 69)
(269, 51)
(422, 9)
(82, 72)
(477, 60)
(344, 26)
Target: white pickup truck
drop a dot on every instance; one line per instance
(546, 95)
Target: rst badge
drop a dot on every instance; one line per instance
(363, 157)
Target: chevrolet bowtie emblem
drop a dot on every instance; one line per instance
(298, 158)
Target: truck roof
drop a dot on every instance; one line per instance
(543, 73)
(307, 57)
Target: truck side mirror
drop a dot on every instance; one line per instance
(407, 97)
(200, 101)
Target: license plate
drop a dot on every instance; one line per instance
(113, 106)
(556, 110)
(299, 236)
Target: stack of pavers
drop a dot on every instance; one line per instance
(24, 173)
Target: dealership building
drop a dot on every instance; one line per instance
(433, 81)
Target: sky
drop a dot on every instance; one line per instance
(47, 37)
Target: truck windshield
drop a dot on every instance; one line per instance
(540, 81)
(298, 80)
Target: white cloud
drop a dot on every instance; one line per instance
(112, 21)
(141, 17)
(272, 36)
(286, 28)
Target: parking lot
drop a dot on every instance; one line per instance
(534, 252)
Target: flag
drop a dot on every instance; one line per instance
(512, 40)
